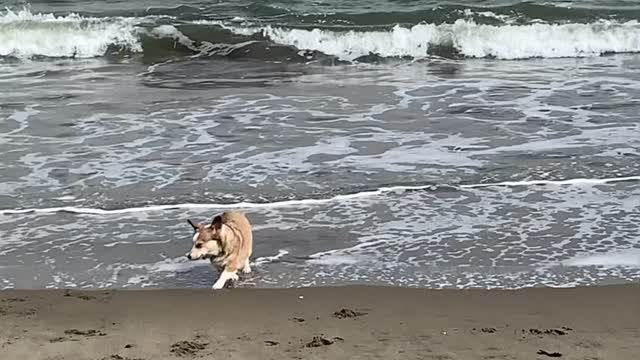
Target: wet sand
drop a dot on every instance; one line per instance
(353, 322)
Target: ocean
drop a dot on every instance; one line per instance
(468, 144)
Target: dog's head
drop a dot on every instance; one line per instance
(207, 240)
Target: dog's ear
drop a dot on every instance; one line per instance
(216, 223)
(194, 226)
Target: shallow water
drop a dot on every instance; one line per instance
(432, 171)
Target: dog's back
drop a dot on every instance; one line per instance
(240, 239)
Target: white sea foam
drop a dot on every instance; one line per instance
(467, 37)
(170, 31)
(625, 258)
(577, 182)
(335, 259)
(311, 202)
(181, 265)
(24, 34)
(269, 259)
(489, 14)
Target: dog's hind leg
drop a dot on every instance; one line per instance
(226, 275)
(247, 267)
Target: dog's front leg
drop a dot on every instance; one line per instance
(226, 275)
(247, 267)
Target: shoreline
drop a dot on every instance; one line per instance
(343, 322)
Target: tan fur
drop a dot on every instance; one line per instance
(227, 242)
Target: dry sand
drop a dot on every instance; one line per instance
(322, 323)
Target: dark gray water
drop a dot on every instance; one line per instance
(488, 146)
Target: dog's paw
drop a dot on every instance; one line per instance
(224, 277)
(217, 286)
(246, 269)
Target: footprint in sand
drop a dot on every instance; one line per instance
(348, 313)
(118, 357)
(187, 348)
(318, 341)
(86, 333)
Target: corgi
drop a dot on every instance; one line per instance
(227, 242)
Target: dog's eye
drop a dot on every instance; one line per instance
(198, 246)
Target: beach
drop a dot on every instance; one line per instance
(350, 322)
(426, 144)
(425, 179)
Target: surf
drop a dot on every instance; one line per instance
(312, 202)
(28, 35)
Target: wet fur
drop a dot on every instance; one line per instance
(227, 242)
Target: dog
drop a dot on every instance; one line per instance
(227, 242)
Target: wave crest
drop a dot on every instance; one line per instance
(465, 38)
(27, 35)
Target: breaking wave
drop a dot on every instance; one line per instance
(466, 39)
(26, 35)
